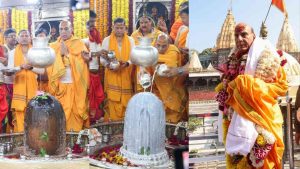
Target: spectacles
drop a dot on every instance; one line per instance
(11, 36)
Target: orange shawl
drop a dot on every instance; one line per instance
(25, 83)
(256, 101)
(168, 91)
(80, 72)
(180, 41)
(118, 83)
(174, 29)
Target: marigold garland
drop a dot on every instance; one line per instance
(19, 19)
(178, 2)
(3, 24)
(79, 23)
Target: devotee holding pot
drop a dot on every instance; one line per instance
(95, 92)
(25, 80)
(247, 99)
(10, 44)
(146, 29)
(173, 97)
(118, 75)
(68, 77)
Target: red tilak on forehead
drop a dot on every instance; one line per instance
(240, 27)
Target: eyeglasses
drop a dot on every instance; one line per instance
(11, 36)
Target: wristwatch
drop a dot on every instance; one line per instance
(180, 70)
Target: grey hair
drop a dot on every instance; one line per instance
(165, 36)
(68, 22)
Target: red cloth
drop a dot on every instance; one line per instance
(3, 102)
(95, 36)
(1, 51)
(96, 96)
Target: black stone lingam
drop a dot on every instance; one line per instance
(45, 127)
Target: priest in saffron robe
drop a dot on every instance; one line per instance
(69, 77)
(173, 97)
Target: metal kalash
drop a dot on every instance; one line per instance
(144, 55)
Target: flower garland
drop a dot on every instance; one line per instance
(29, 15)
(120, 8)
(109, 12)
(177, 5)
(173, 9)
(130, 27)
(19, 19)
(100, 7)
(263, 145)
(3, 24)
(79, 23)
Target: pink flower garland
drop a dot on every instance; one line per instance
(109, 16)
(130, 29)
(29, 14)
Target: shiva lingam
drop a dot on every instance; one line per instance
(45, 127)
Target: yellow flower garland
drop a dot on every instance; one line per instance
(177, 4)
(3, 24)
(101, 9)
(120, 8)
(79, 22)
(19, 19)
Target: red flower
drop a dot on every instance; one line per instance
(280, 53)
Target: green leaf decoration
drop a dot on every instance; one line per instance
(44, 136)
(43, 152)
(142, 151)
(148, 151)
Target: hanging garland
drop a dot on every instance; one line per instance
(109, 16)
(79, 23)
(100, 7)
(29, 16)
(178, 2)
(130, 27)
(120, 8)
(19, 19)
(3, 24)
(172, 14)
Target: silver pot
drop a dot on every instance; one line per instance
(40, 55)
(144, 54)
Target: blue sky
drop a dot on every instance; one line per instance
(207, 17)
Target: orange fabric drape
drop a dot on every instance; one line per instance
(80, 77)
(256, 101)
(118, 83)
(25, 83)
(182, 39)
(173, 97)
(174, 29)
